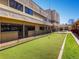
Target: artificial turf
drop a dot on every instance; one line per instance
(47, 47)
(71, 50)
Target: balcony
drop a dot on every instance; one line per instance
(32, 5)
(15, 14)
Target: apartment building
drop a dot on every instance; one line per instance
(21, 19)
(54, 19)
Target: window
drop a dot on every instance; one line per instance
(12, 3)
(10, 27)
(30, 28)
(29, 11)
(19, 6)
(16, 5)
(26, 10)
(5, 27)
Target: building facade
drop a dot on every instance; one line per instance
(21, 19)
(54, 17)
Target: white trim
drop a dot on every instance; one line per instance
(62, 48)
(76, 39)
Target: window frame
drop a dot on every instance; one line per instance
(29, 11)
(16, 5)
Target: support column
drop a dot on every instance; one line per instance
(23, 31)
(23, 9)
(8, 3)
(50, 29)
(0, 34)
(45, 29)
(37, 29)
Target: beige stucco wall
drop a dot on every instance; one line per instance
(8, 36)
(37, 15)
(5, 2)
(31, 33)
(55, 16)
(33, 6)
(37, 28)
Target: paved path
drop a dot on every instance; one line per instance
(12, 43)
(62, 48)
(15, 41)
(77, 40)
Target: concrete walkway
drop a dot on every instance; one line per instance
(15, 42)
(62, 48)
(76, 39)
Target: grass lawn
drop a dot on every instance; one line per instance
(43, 48)
(71, 50)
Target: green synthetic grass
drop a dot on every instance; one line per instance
(43, 48)
(71, 50)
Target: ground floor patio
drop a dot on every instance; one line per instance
(14, 29)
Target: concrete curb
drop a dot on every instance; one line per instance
(76, 39)
(62, 48)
